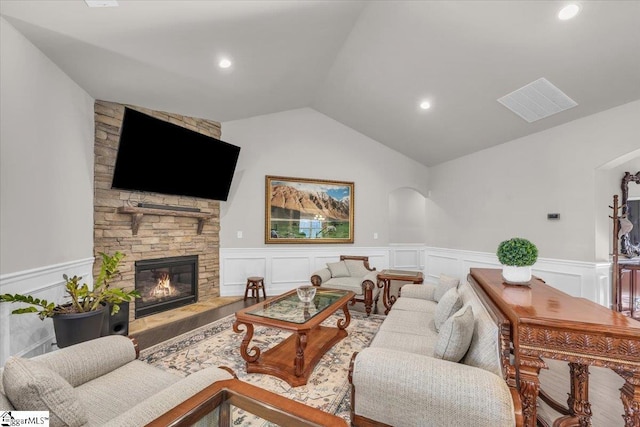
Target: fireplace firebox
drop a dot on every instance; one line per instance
(165, 283)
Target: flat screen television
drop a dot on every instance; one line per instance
(161, 157)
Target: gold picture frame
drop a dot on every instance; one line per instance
(303, 210)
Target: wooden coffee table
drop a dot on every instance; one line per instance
(234, 399)
(294, 358)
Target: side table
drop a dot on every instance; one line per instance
(384, 280)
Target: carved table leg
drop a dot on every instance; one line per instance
(253, 354)
(529, 369)
(579, 406)
(343, 323)
(301, 344)
(386, 297)
(630, 395)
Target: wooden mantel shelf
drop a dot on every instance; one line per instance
(137, 213)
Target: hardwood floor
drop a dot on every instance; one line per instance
(604, 385)
(604, 393)
(156, 335)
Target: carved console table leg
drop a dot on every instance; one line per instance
(578, 401)
(301, 344)
(630, 395)
(529, 387)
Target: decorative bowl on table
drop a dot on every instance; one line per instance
(306, 293)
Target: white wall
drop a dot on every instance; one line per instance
(46, 187)
(489, 196)
(46, 160)
(307, 144)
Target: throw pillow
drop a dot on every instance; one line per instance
(356, 268)
(444, 284)
(31, 386)
(448, 304)
(338, 269)
(455, 336)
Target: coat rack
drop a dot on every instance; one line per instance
(615, 275)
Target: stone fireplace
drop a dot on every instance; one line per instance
(124, 222)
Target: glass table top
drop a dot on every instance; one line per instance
(289, 308)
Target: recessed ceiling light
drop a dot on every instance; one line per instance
(224, 63)
(101, 3)
(569, 11)
(425, 105)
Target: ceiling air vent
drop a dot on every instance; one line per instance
(537, 100)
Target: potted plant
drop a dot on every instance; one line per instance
(517, 255)
(79, 319)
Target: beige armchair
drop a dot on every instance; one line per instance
(351, 273)
(98, 382)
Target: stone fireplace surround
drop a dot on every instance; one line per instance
(158, 236)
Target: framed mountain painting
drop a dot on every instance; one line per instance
(302, 210)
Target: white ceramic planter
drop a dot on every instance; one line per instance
(516, 275)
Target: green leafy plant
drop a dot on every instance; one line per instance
(82, 297)
(517, 252)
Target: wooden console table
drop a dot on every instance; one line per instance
(558, 326)
(384, 280)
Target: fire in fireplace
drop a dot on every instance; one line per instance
(165, 283)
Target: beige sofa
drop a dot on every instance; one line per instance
(98, 382)
(351, 273)
(436, 361)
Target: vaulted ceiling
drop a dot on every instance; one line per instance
(366, 64)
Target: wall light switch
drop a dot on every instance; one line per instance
(375, 235)
(239, 234)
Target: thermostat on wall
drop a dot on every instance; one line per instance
(553, 216)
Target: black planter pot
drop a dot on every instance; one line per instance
(74, 328)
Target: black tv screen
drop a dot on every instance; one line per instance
(161, 157)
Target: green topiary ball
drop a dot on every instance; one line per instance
(518, 252)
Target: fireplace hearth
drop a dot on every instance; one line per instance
(165, 283)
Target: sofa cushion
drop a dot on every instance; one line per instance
(414, 304)
(455, 336)
(356, 268)
(123, 388)
(348, 284)
(338, 269)
(406, 342)
(444, 284)
(413, 322)
(450, 302)
(31, 386)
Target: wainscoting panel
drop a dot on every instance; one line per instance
(589, 280)
(25, 334)
(291, 271)
(285, 268)
(407, 258)
(239, 268)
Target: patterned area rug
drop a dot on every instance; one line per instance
(216, 344)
